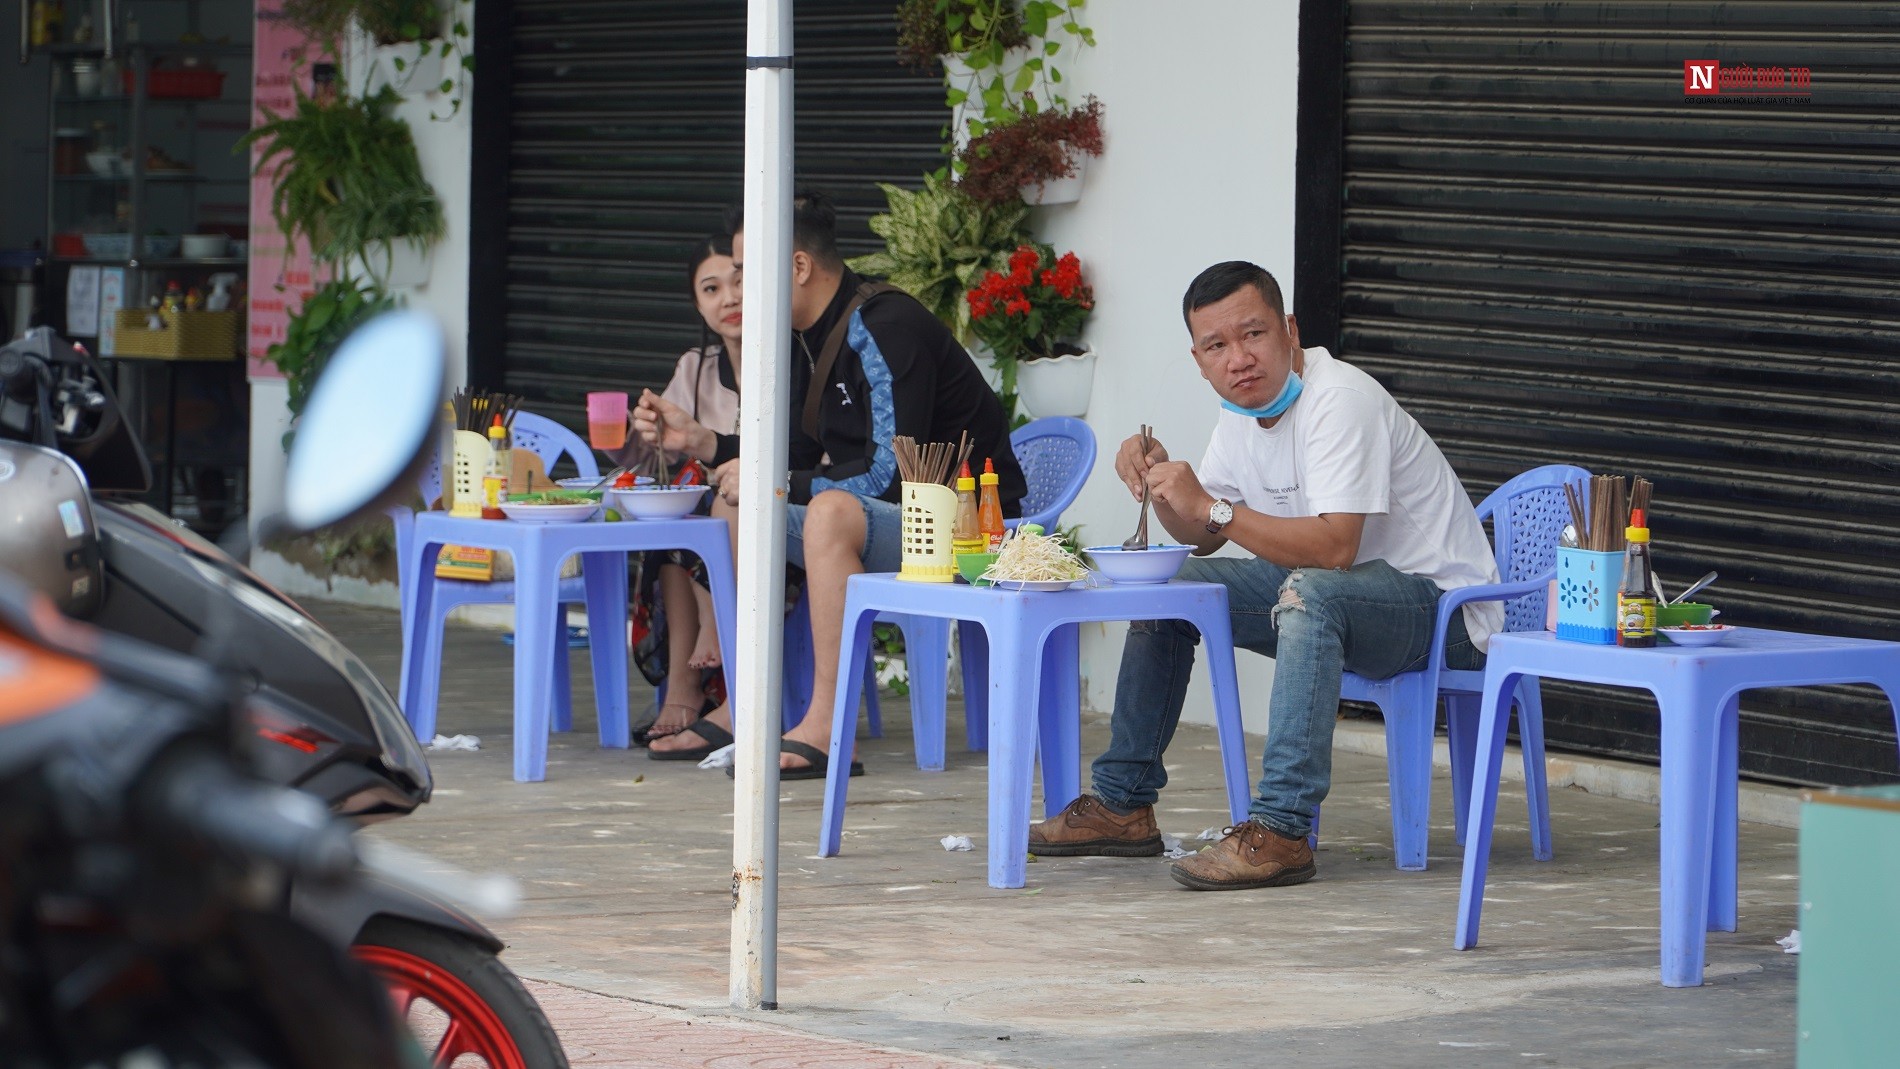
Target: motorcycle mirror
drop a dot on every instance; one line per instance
(370, 421)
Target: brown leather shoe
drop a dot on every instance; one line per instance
(1089, 828)
(1252, 855)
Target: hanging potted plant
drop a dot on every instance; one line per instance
(345, 176)
(1011, 126)
(1032, 317)
(413, 46)
(345, 179)
(1037, 157)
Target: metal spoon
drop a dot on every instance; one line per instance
(1139, 540)
(1692, 588)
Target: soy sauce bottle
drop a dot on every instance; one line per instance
(1636, 598)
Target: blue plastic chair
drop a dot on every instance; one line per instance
(1057, 454)
(550, 442)
(1697, 697)
(1035, 693)
(1527, 515)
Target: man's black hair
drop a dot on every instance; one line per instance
(1223, 280)
(814, 226)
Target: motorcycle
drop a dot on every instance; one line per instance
(319, 719)
(145, 866)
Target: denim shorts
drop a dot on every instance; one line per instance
(883, 534)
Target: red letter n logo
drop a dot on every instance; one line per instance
(1698, 78)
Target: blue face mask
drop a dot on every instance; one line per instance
(1289, 393)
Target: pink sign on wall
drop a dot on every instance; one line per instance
(278, 283)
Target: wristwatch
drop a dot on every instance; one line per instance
(1219, 515)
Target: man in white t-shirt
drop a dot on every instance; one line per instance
(1353, 525)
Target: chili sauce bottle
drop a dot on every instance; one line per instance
(989, 509)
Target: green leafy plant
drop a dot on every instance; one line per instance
(313, 333)
(345, 176)
(924, 28)
(939, 242)
(982, 34)
(385, 21)
(887, 650)
(412, 31)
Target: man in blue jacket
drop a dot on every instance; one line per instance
(869, 363)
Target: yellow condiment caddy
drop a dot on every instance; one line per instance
(929, 514)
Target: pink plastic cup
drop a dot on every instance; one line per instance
(607, 420)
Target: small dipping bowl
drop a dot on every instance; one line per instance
(1687, 612)
(972, 566)
(1713, 635)
(1156, 564)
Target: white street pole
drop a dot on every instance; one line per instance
(763, 426)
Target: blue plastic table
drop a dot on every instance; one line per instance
(1032, 681)
(1697, 692)
(539, 550)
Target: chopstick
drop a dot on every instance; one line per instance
(1601, 519)
(934, 462)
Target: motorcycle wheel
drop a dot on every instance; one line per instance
(463, 1005)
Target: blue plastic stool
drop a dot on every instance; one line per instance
(1036, 683)
(1696, 693)
(540, 646)
(1057, 453)
(796, 691)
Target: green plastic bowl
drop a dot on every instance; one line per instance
(972, 566)
(1687, 612)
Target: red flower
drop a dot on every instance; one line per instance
(1039, 302)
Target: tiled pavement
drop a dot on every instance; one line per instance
(898, 953)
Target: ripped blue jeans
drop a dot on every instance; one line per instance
(1371, 619)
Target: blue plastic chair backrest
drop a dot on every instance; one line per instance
(1527, 517)
(1056, 453)
(538, 435)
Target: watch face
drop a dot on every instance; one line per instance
(1219, 514)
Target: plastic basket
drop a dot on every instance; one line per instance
(1586, 595)
(186, 336)
(469, 464)
(187, 84)
(930, 513)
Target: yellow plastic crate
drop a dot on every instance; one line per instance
(187, 335)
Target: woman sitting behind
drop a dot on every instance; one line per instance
(696, 416)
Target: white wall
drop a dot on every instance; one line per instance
(1198, 168)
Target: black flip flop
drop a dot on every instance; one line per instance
(820, 762)
(714, 735)
(645, 738)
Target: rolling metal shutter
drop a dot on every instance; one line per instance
(612, 139)
(1550, 254)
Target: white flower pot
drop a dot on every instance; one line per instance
(396, 266)
(1058, 386)
(1061, 190)
(958, 75)
(422, 66)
